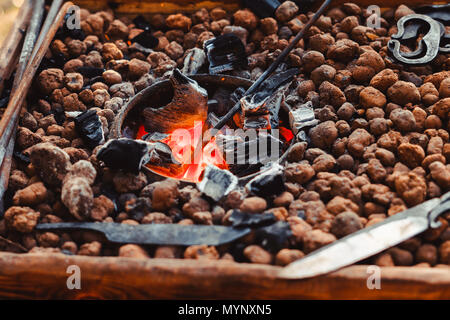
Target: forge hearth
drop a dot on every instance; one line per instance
(366, 138)
(130, 123)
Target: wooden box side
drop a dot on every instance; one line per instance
(35, 276)
(45, 276)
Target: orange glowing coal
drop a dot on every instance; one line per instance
(183, 142)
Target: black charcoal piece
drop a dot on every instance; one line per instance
(217, 183)
(138, 47)
(93, 80)
(237, 251)
(250, 105)
(59, 114)
(123, 198)
(225, 53)
(110, 192)
(237, 95)
(440, 13)
(138, 208)
(273, 83)
(258, 122)
(241, 153)
(263, 8)
(141, 23)
(146, 39)
(224, 102)
(155, 234)
(160, 154)
(90, 128)
(126, 154)
(241, 219)
(21, 157)
(56, 61)
(194, 59)
(154, 137)
(305, 5)
(269, 183)
(274, 237)
(4, 102)
(91, 72)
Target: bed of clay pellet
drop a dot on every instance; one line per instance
(382, 144)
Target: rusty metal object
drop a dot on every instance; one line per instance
(428, 46)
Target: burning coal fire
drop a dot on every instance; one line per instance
(183, 143)
(183, 126)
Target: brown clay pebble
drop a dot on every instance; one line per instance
(253, 205)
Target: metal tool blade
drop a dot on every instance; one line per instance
(155, 234)
(362, 244)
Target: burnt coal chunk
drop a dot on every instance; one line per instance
(109, 191)
(146, 39)
(241, 219)
(124, 154)
(141, 23)
(123, 199)
(138, 208)
(93, 80)
(274, 237)
(268, 183)
(270, 86)
(21, 157)
(225, 53)
(59, 114)
(263, 8)
(258, 122)
(56, 61)
(161, 155)
(223, 102)
(237, 95)
(4, 102)
(237, 251)
(91, 72)
(90, 128)
(154, 137)
(305, 5)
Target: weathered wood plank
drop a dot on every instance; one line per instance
(44, 276)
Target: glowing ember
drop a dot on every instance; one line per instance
(286, 134)
(183, 142)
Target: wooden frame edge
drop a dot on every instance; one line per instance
(38, 276)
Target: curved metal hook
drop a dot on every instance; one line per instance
(430, 41)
